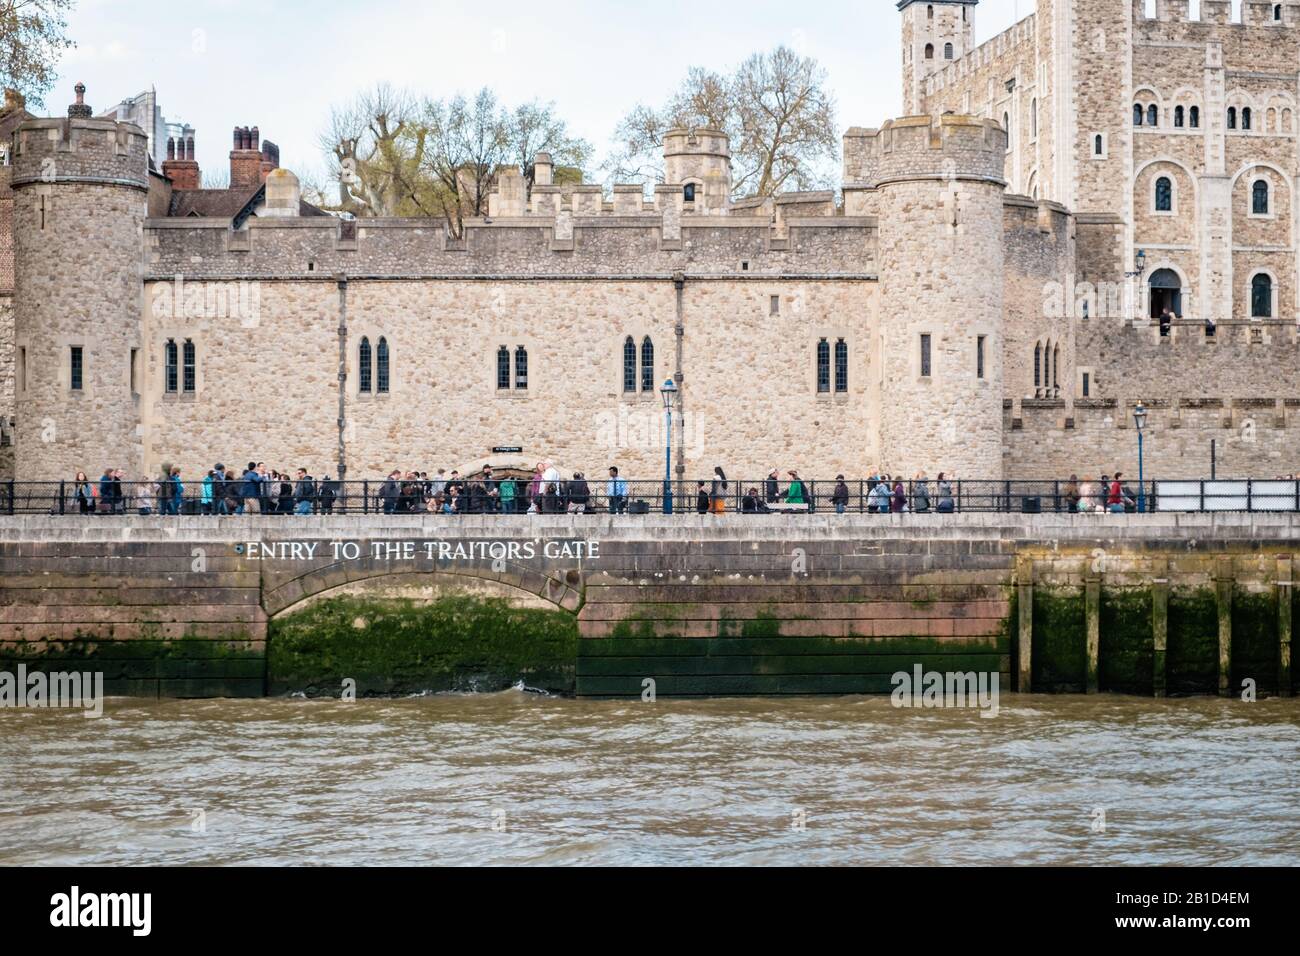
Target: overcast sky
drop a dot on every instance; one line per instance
(280, 65)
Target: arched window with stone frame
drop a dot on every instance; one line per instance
(171, 365)
(929, 51)
(1259, 198)
(1245, 117)
(1194, 117)
(629, 365)
(521, 368)
(381, 366)
(1179, 117)
(1232, 117)
(823, 367)
(365, 366)
(647, 365)
(503, 368)
(1138, 114)
(1153, 115)
(841, 366)
(1164, 198)
(1038, 369)
(947, 51)
(1261, 296)
(189, 367)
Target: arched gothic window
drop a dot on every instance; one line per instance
(1259, 198)
(1194, 117)
(1179, 116)
(189, 367)
(823, 366)
(1153, 115)
(1245, 117)
(629, 364)
(365, 370)
(381, 365)
(647, 365)
(841, 366)
(1164, 194)
(1232, 117)
(1137, 114)
(521, 367)
(170, 365)
(929, 51)
(503, 367)
(947, 51)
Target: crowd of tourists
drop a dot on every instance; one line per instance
(257, 489)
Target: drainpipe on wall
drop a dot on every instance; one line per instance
(679, 282)
(343, 376)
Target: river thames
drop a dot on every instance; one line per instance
(517, 778)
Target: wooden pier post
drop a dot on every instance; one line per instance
(1025, 632)
(1223, 586)
(1284, 591)
(1159, 627)
(1092, 614)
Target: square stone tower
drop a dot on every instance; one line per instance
(934, 35)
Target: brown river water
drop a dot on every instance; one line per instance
(517, 778)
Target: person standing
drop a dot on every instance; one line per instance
(701, 498)
(507, 490)
(840, 496)
(794, 494)
(898, 503)
(551, 489)
(205, 492)
(772, 486)
(943, 488)
(616, 492)
(921, 494)
(718, 492)
(389, 492)
(84, 492)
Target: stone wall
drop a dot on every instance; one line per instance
(750, 605)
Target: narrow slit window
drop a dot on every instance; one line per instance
(629, 365)
(925, 356)
(647, 365)
(841, 366)
(189, 367)
(521, 368)
(503, 367)
(77, 369)
(979, 356)
(823, 367)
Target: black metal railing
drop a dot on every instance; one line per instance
(517, 497)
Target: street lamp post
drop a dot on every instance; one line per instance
(1140, 420)
(669, 393)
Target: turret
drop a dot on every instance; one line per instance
(699, 161)
(80, 186)
(934, 35)
(939, 194)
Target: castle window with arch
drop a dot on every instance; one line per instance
(688, 192)
(1261, 296)
(647, 365)
(823, 367)
(1245, 117)
(1153, 115)
(947, 51)
(503, 367)
(1138, 114)
(76, 368)
(381, 366)
(1098, 145)
(1277, 12)
(171, 367)
(1179, 116)
(1194, 117)
(1259, 198)
(929, 12)
(629, 367)
(189, 367)
(979, 355)
(365, 367)
(1232, 117)
(521, 367)
(1006, 125)
(1033, 118)
(1038, 369)
(841, 366)
(1164, 194)
(929, 51)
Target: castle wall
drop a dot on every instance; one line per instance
(1257, 438)
(750, 391)
(1039, 263)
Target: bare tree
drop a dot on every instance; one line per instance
(31, 40)
(775, 109)
(535, 128)
(375, 146)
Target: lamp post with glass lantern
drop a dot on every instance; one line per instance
(669, 393)
(1140, 420)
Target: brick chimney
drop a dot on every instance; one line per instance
(246, 159)
(180, 166)
(270, 158)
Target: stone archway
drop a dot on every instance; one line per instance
(1165, 290)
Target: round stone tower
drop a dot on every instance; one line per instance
(80, 186)
(940, 192)
(699, 160)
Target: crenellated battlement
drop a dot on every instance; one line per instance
(79, 150)
(1254, 13)
(1004, 44)
(934, 147)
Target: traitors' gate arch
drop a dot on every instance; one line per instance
(289, 583)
